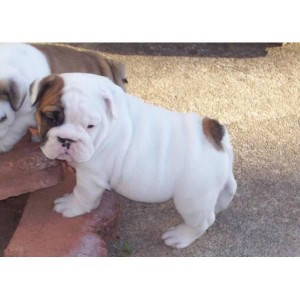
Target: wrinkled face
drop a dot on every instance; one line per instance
(71, 121)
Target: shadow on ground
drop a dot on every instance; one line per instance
(11, 211)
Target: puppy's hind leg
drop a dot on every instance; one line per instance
(226, 194)
(198, 215)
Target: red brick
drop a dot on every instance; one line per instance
(25, 169)
(43, 232)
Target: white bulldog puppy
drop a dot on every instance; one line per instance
(143, 152)
(21, 64)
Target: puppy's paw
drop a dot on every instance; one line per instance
(180, 236)
(68, 206)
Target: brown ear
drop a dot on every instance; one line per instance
(15, 97)
(49, 84)
(119, 73)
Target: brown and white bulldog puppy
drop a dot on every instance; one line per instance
(21, 64)
(145, 153)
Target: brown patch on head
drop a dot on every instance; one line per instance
(214, 132)
(50, 111)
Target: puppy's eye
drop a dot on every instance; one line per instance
(51, 120)
(54, 118)
(90, 126)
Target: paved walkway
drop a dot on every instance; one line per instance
(255, 90)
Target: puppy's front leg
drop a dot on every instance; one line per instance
(85, 197)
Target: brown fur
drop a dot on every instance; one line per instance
(214, 132)
(50, 111)
(65, 59)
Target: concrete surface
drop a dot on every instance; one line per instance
(255, 90)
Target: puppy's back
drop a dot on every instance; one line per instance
(64, 59)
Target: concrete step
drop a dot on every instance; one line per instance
(43, 232)
(25, 169)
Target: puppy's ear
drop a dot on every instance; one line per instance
(15, 94)
(111, 109)
(119, 73)
(39, 88)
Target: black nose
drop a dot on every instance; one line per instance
(66, 143)
(62, 140)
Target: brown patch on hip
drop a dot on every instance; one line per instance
(214, 132)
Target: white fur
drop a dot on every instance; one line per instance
(141, 151)
(23, 64)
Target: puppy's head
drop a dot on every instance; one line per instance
(74, 112)
(12, 96)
